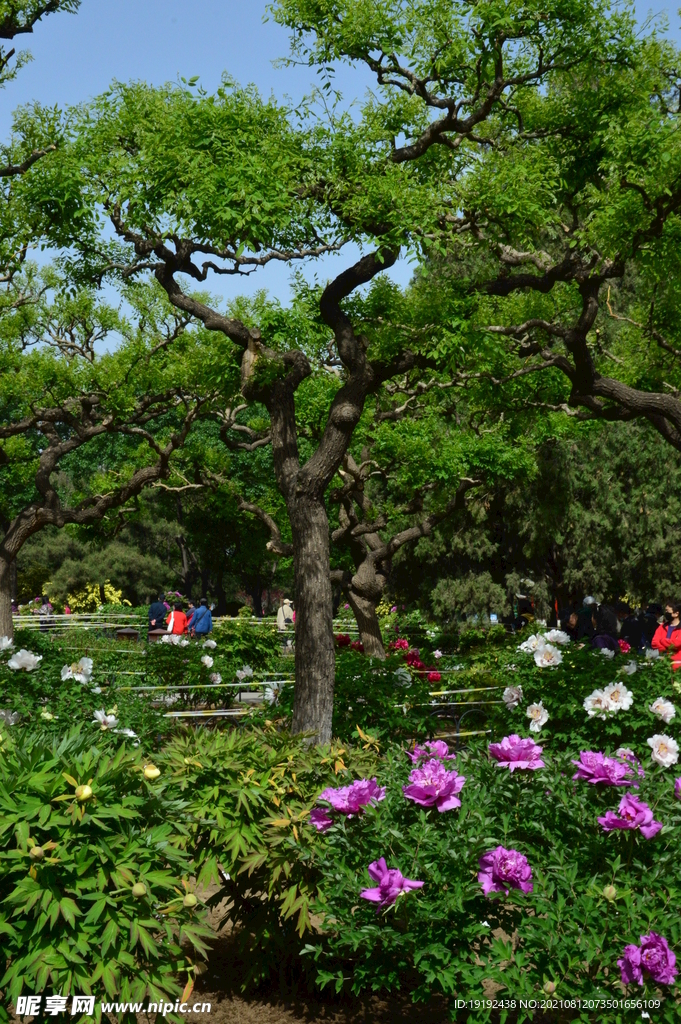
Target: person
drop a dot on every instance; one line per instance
(525, 614)
(668, 634)
(177, 620)
(651, 620)
(200, 622)
(604, 622)
(585, 626)
(45, 613)
(631, 628)
(569, 620)
(157, 613)
(285, 616)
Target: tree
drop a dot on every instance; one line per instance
(133, 407)
(372, 554)
(197, 184)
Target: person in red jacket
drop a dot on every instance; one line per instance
(179, 620)
(668, 635)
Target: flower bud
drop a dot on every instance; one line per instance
(139, 889)
(151, 771)
(190, 900)
(549, 987)
(36, 852)
(83, 793)
(610, 893)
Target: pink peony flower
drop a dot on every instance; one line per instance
(393, 609)
(391, 883)
(593, 766)
(433, 748)
(624, 646)
(433, 677)
(434, 786)
(502, 870)
(514, 752)
(400, 645)
(633, 813)
(321, 818)
(351, 799)
(653, 956)
(677, 788)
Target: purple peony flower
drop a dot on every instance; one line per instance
(595, 767)
(351, 799)
(653, 956)
(502, 870)
(677, 788)
(514, 752)
(633, 813)
(391, 883)
(629, 757)
(434, 786)
(433, 748)
(321, 819)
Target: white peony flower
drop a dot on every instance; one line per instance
(5, 643)
(25, 660)
(244, 673)
(272, 692)
(532, 644)
(512, 696)
(81, 671)
(215, 677)
(651, 654)
(437, 655)
(96, 689)
(630, 668)
(207, 661)
(626, 753)
(105, 721)
(170, 638)
(665, 750)
(9, 717)
(607, 653)
(664, 708)
(619, 698)
(557, 636)
(184, 642)
(210, 644)
(597, 705)
(547, 656)
(539, 716)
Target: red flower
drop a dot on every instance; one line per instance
(434, 677)
(399, 645)
(624, 646)
(343, 640)
(357, 645)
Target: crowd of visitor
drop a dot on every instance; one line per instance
(197, 621)
(620, 627)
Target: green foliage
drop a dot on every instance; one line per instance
(472, 596)
(69, 920)
(451, 940)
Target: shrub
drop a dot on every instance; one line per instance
(69, 918)
(449, 938)
(247, 796)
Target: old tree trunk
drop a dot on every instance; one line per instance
(6, 627)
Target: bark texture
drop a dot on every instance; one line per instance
(6, 627)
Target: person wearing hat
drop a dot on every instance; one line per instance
(285, 615)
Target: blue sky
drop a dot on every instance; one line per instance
(77, 56)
